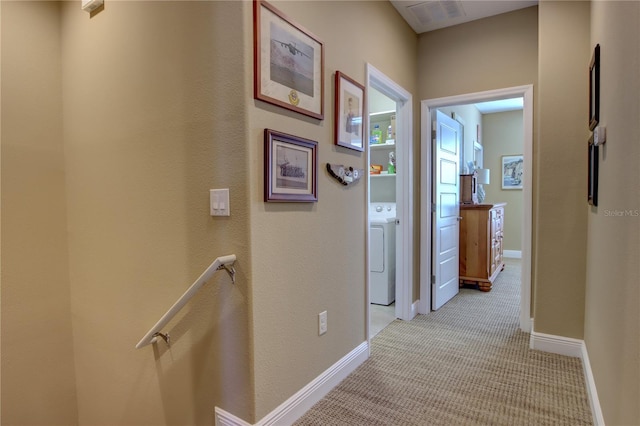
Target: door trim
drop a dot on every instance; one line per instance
(526, 92)
(405, 309)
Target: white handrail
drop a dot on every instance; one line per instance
(220, 263)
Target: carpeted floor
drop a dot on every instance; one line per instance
(465, 364)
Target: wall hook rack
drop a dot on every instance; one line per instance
(344, 175)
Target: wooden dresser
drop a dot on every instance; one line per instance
(481, 233)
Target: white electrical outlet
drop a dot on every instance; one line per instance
(322, 323)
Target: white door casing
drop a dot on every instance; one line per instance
(526, 92)
(405, 309)
(447, 135)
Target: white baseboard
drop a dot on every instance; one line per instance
(414, 308)
(596, 411)
(574, 348)
(556, 344)
(224, 418)
(513, 254)
(293, 408)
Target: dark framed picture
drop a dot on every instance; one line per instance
(594, 88)
(512, 170)
(592, 190)
(288, 62)
(349, 111)
(290, 168)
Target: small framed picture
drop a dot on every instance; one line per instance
(512, 168)
(592, 190)
(594, 88)
(349, 112)
(290, 168)
(288, 62)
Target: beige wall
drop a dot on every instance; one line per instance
(150, 111)
(561, 168)
(502, 134)
(488, 54)
(477, 56)
(154, 118)
(157, 109)
(612, 321)
(38, 379)
(308, 258)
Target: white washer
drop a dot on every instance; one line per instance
(382, 252)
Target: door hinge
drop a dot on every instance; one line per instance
(433, 207)
(433, 279)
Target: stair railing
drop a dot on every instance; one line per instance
(222, 262)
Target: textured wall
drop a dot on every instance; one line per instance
(153, 118)
(492, 53)
(502, 134)
(612, 321)
(38, 379)
(308, 258)
(561, 168)
(488, 54)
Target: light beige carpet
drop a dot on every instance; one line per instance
(465, 364)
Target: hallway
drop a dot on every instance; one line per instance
(465, 364)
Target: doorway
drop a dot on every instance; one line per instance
(401, 102)
(427, 107)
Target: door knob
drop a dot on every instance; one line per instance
(459, 218)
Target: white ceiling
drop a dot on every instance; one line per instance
(500, 106)
(424, 16)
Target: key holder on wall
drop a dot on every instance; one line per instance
(344, 175)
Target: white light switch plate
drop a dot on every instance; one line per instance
(219, 202)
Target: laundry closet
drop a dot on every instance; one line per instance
(382, 208)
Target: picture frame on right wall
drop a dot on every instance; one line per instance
(594, 88)
(512, 170)
(592, 180)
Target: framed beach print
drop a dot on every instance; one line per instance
(512, 168)
(594, 88)
(290, 168)
(349, 110)
(288, 62)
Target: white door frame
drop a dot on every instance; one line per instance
(527, 190)
(405, 309)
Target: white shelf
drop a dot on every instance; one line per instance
(383, 175)
(383, 145)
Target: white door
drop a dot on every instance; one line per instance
(446, 209)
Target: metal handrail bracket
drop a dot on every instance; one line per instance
(222, 262)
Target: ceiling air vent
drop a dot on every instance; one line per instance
(436, 11)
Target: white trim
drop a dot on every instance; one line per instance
(512, 254)
(527, 190)
(415, 307)
(556, 344)
(404, 188)
(575, 348)
(425, 209)
(594, 402)
(225, 418)
(293, 408)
